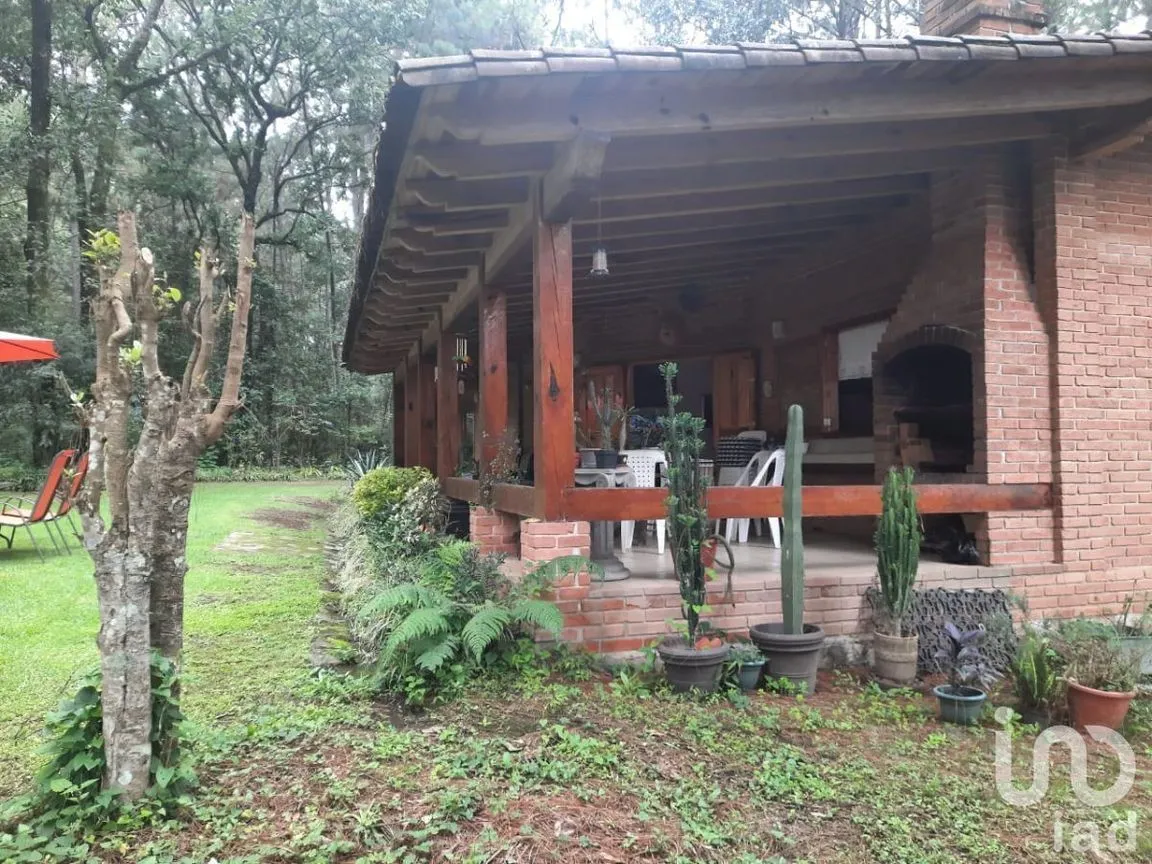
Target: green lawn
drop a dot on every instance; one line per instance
(568, 764)
(248, 614)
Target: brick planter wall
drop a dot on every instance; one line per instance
(543, 541)
(494, 531)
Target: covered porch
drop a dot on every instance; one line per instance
(853, 228)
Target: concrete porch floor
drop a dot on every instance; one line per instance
(828, 558)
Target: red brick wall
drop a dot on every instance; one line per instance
(494, 531)
(1017, 389)
(978, 276)
(981, 17)
(543, 541)
(1094, 265)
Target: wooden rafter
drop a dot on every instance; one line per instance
(669, 108)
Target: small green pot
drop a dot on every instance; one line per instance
(962, 705)
(749, 674)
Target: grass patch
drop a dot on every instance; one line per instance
(248, 615)
(312, 767)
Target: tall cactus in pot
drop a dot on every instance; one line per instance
(894, 654)
(898, 537)
(793, 647)
(792, 544)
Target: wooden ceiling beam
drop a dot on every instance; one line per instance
(660, 183)
(1126, 129)
(759, 145)
(757, 199)
(786, 215)
(557, 196)
(420, 263)
(667, 107)
(463, 159)
(445, 224)
(454, 196)
(706, 236)
(430, 244)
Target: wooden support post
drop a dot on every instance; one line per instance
(427, 414)
(448, 430)
(399, 421)
(412, 414)
(493, 365)
(554, 433)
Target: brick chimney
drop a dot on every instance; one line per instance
(982, 17)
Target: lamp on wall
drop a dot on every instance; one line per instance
(777, 330)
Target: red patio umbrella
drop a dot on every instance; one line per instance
(15, 348)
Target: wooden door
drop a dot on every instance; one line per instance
(733, 393)
(603, 378)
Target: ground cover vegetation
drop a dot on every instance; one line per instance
(503, 750)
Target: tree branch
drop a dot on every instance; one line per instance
(238, 342)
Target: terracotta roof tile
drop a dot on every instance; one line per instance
(426, 71)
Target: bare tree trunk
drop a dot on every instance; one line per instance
(139, 550)
(40, 160)
(169, 564)
(122, 588)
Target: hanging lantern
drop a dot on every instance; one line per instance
(600, 262)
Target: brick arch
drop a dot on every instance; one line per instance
(943, 335)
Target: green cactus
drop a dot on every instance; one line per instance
(898, 536)
(792, 546)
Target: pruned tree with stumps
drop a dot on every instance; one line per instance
(138, 543)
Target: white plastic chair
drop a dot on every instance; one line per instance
(757, 434)
(643, 464)
(764, 469)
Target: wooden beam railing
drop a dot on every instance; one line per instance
(611, 505)
(740, 501)
(506, 497)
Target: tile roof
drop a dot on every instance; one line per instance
(477, 64)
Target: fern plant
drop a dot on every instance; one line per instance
(458, 609)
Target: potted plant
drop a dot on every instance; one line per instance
(608, 406)
(695, 661)
(969, 675)
(749, 665)
(1036, 677)
(792, 647)
(898, 535)
(1101, 675)
(1134, 633)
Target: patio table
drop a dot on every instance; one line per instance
(603, 552)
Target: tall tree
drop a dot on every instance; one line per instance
(138, 550)
(39, 157)
(722, 22)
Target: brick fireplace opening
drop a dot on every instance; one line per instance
(926, 382)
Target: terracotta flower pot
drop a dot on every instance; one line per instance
(894, 657)
(1090, 707)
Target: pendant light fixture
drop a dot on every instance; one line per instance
(599, 254)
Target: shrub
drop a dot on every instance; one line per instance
(384, 488)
